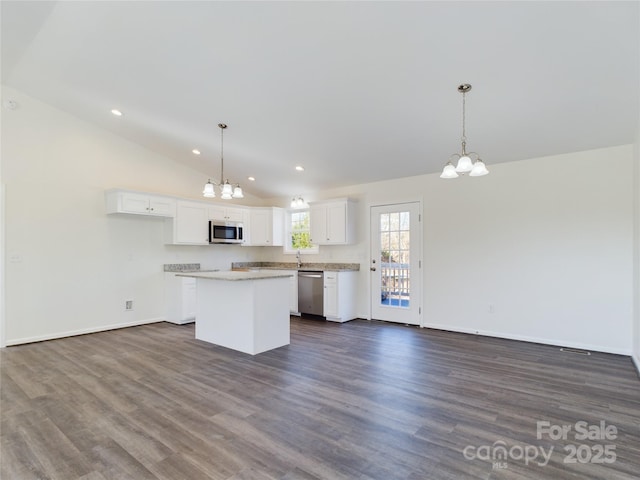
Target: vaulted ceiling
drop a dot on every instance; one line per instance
(353, 91)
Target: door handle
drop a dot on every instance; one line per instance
(373, 269)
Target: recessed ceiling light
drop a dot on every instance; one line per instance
(251, 179)
(196, 151)
(299, 168)
(116, 112)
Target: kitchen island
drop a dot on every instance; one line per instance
(244, 311)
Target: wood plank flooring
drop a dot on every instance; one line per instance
(361, 400)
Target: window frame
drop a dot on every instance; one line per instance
(288, 249)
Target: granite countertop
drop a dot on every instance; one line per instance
(326, 267)
(184, 268)
(233, 275)
(181, 267)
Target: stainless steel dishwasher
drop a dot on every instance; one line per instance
(311, 292)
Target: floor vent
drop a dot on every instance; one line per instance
(575, 350)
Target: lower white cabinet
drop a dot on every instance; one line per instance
(340, 296)
(293, 291)
(180, 295)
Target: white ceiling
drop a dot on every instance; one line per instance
(353, 91)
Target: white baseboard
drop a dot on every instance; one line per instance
(524, 338)
(72, 333)
(636, 361)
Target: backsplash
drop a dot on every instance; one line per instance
(181, 267)
(294, 266)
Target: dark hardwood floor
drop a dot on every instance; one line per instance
(361, 400)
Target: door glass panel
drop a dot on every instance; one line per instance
(394, 259)
(394, 221)
(404, 221)
(384, 222)
(404, 241)
(384, 242)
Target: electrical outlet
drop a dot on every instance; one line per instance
(128, 305)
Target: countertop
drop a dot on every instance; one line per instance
(325, 267)
(181, 267)
(234, 275)
(184, 268)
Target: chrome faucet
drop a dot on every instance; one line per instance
(299, 259)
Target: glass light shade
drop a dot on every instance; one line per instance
(449, 171)
(464, 164)
(227, 189)
(208, 191)
(479, 169)
(237, 192)
(294, 202)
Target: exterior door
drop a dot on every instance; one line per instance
(396, 259)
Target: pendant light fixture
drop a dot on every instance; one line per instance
(467, 161)
(298, 202)
(227, 190)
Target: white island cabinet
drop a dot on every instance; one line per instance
(244, 311)
(293, 287)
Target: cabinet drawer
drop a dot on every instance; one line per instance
(330, 277)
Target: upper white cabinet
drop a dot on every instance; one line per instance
(227, 214)
(266, 227)
(190, 226)
(187, 221)
(332, 222)
(122, 201)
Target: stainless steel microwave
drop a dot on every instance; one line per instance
(225, 232)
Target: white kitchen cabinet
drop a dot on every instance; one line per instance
(340, 296)
(266, 227)
(137, 203)
(332, 222)
(293, 292)
(227, 214)
(246, 224)
(181, 298)
(190, 225)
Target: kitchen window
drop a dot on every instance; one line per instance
(298, 232)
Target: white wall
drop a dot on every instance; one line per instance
(69, 267)
(547, 241)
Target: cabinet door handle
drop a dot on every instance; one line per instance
(373, 269)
